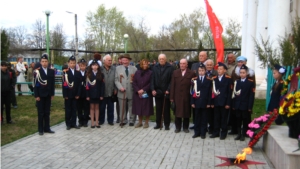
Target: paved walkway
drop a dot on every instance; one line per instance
(114, 147)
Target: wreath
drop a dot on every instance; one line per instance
(290, 104)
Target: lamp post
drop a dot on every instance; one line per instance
(76, 37)
(125, 42)
(47, 12)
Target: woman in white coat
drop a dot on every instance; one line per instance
(21, 70)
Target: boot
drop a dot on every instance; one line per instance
(243, 136)
(238, 137)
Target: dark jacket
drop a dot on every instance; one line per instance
(245, 100)
(205, 93)
(161, 80)
(6, 82)
(71, 92)
(82, 85)
(275, 96)
(225, 88)
(96, 91)
(41, 90)
(14, 77)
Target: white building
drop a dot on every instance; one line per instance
(265, 18)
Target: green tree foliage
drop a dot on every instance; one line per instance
(106, 27)
(4, 45)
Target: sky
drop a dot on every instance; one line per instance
(156, 12)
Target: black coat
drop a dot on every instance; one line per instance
(71, 92)
(161, 80)
(225, 88)
(205, 93)
(96, 91)
(245, 100)
(44, 90)
(83, 85)
(275, 96)
(7, 82)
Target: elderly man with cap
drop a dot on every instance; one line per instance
(109, 77)
(222, 92)
(235, 74)
(71, 92)
(44, 79)
(7, 83)
(123, 81)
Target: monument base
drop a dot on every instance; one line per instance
(279, 148)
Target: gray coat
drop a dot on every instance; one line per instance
(109, 79)
(126, 80)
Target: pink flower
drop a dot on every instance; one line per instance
(264, 118)
(253, 125)
(259, 119)
(250, 133)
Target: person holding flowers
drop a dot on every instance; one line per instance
(278, 72)
(243, 99)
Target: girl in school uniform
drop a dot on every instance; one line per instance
(94, 91)
(278, 73)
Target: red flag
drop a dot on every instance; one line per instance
(216, 29)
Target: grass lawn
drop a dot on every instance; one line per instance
(25, 118)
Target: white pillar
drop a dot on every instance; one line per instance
(261, 33)
(244, 27)
(279, 21)
(251, 33)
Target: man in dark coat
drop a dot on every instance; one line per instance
(7, 83)
(180, 95)
(71, 92)
(13, 90)
(44, 79)
(160, 86)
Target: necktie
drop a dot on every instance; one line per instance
(201, 80)
(126, 71)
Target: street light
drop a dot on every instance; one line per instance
(76, 37)
(125, 41)
(47, 12)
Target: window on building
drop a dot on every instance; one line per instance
(291, 5)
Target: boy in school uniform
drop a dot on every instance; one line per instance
(82, 104)
(44, 79)
(200, 100)
(243, 93)
(71, 92)
(222, 90)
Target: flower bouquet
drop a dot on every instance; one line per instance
(259, 126)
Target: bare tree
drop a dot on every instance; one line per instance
(38, 36)
(58, 39)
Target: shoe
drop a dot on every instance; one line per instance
(118, 121)
(101, 123)
(92, 127)
(232, 132)
(80, 125)
(195, 136)
(238, 137)
(123, 124)
(177, 131)
(214, 136)
(167, 128)
(222, 137)
(76, 127)
(146, 125)
(41, 133)
(68, 127)
(131, 124)
(10, 122)
(98, 126)
(186, 130)
(50, 131)
(156, 127)
(111, 124)
(203, 137)
(137, 125)
(192, 127)
(242, 138)
(85, 125)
